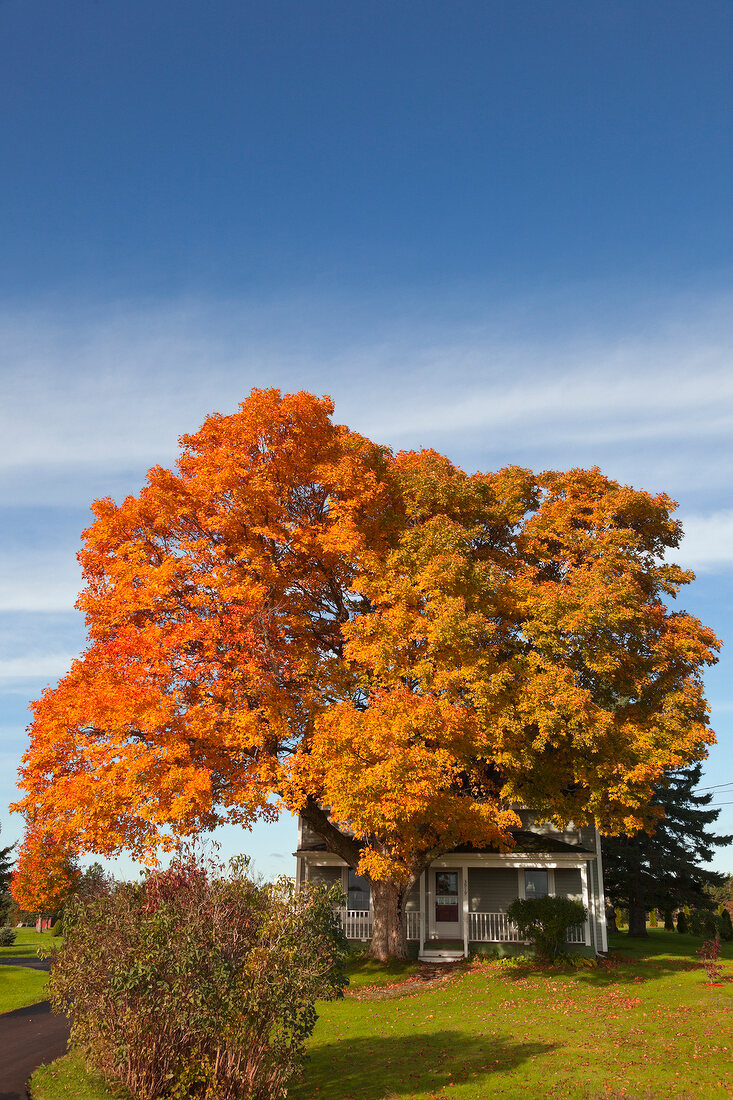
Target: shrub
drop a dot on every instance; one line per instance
(703, 922)
(545, 922)
(7, 936)
(696, 922)
(726, 925)
(57, 928)
(668, 921)
(682, 925)
(198, 983)
(709, 954)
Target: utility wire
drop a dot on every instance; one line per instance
(716, 787)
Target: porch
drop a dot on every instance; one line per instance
(480, 928)
(460, 902)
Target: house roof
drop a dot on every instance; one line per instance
(526, 841)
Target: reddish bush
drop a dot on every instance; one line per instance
(198, 983)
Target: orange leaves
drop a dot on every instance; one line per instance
(297, 612)
(214, 603)
(44, 874)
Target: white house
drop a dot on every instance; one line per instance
(460, 902)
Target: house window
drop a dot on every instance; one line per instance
(536, 884)
(358, 892)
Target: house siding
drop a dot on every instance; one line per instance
(412, 904)
(309, 837)
(568, 883)
(492, 889)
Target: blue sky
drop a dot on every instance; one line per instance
(503, 230)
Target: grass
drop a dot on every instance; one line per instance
(20, 987)
(68, 1079)
(27, 943)
(644, 1025)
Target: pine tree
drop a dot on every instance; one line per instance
(6, 872)
(664, 870)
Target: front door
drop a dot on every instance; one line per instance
(447, 914)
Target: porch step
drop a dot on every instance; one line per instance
(444, 955)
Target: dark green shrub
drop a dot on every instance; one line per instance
(57, 928)
(682, 925)
(726, 926)
(545, 922)
(668, 921)
(703, 922)
(7, 936)
(197, 983)
(710, 924)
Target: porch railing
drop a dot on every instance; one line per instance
(576, 934)
(497, 928)
(492, 928)
(413, 925)
(358, 924)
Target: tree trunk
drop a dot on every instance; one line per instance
(637, 918)
(389, 940)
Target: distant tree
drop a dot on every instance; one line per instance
(6, 873)
(722, 894)
(664, 869)
(95, 881)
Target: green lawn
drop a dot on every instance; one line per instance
(21, 986)
(27, 943)
(644, 1025)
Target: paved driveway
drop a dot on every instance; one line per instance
(28, 1038)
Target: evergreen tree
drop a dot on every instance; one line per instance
(6, 872)
(663, 870)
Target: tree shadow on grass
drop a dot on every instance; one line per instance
(395, 1066)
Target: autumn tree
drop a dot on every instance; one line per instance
(664, 868)
(395, 649)
(45, 874)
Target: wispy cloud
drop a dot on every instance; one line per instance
(112, 391)
(47, 666)
(708, 541)
(48, 580)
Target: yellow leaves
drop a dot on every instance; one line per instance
(391, 774)
(295, 612)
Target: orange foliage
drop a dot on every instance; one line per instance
(297, 612)
(44, 875)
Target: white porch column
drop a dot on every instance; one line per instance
(464, 871)
(423, 912)
(587, 894)
(601, 894)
